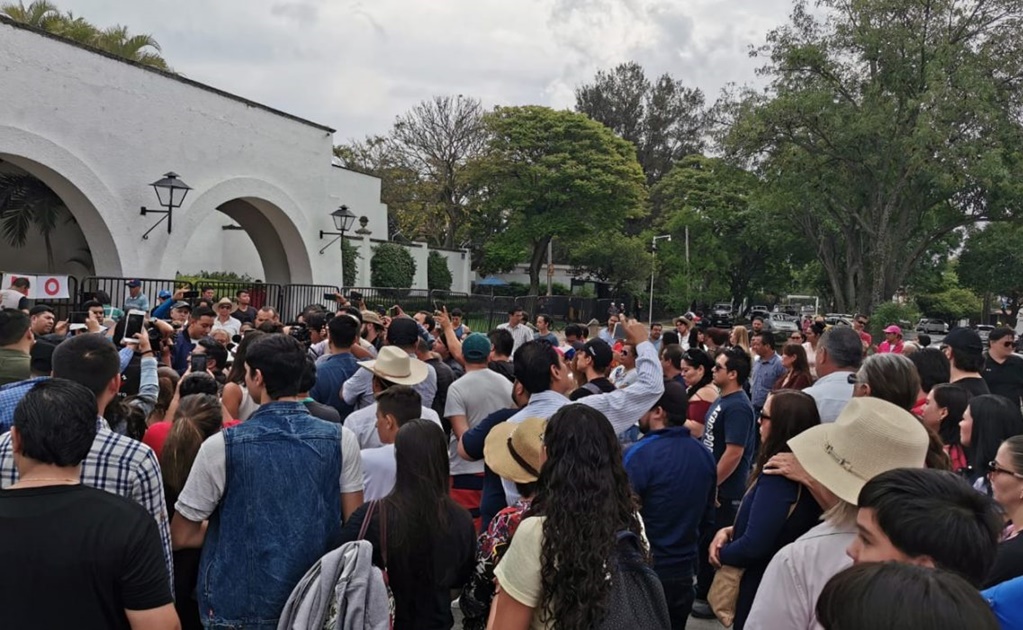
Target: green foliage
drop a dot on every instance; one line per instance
(738, 243)
(888, 313)
(26, 205)
(349, 260)
(624, 261)
(392, 266)
(438, 275)
(991, 262)
(214, 276)
(885, 127)
(553, 174)
(115, 40)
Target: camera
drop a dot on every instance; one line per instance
(300, 332)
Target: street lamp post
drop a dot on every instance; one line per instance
(343, 219)
(653, 273)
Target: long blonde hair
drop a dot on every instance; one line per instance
(741, 338)
(198, 417)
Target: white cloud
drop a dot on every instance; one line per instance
(356, 64)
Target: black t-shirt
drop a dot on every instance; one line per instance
(976, 386)
(420, 603)
(602, 384)
(1008, 562)
(1006, 378)
(77, 557)
(321, 411)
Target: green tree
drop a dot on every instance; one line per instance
(27, 204)
(623, 261)
(392, 266)
(553, 174)
(438, 274)
(349, 259)
(739, 245)
(115, 40)
(991, 261)
(664, 119)
(885, 127)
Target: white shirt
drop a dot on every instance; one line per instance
(787, 597)
(232, 326)
(358, 389)
(476, 395)
(623, 407)
(379, 469)
(831, 393)
(363, 423)
(520, 334)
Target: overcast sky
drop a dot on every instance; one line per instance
(355, 64)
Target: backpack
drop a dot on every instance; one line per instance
(342, 591)
(637, 598)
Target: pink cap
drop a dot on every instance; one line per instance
(893, 329)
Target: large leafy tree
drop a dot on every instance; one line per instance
(553, 175)
(116, 40)
(991, 262)
(739, 244)
(422, 163)
(26, 205)
(885, 127)
(663, 118)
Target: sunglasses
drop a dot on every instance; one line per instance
(994, 468)
(718, 367)
(1006, 344)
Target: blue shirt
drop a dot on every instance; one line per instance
(1006, 600)
(331, 374)
(140, 302)
(675, 478)
(730, 420)
(765, 373)
(183, 346)
(10, 395)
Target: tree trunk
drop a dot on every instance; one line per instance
(535, 262)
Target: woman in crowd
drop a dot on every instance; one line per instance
(521, 467)
(797, 376)
(988, 421)
(898, 596)
(423, 539)
(168, 380)
(697, 339)
(236, 397)
(813, 336)
(775, 510)
(942, 412)
(198, 416)
(1005, 473)
(697, 372)
(890, 377)
(717, 339)
(933, 369)
(554, 575)
(740, 337)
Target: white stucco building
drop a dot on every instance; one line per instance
(98, 130)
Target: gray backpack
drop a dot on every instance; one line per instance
(342, 591)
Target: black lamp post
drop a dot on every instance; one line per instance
(171, 192)
(343, 220)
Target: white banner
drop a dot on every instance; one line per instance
(40, 288)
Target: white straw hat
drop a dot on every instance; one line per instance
(394, 365)
(870, 436)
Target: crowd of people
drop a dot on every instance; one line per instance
(207, 469)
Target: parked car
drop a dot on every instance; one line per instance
(781, 325)
(932, 326)
(984, 330)
(838, 319)
(721, 316)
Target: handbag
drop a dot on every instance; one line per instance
(383, 549)
(723, 597)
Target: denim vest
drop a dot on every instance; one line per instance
(280, 512)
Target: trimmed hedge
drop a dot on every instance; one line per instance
(392, 266)
(438, 274)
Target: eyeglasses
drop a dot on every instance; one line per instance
(717, 367)
(853, 379)
(994, 468)
(764, 416)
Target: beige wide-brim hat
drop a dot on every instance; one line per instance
(394, 365)
(870, 436)
(512, 449)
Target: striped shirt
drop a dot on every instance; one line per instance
(119, 465)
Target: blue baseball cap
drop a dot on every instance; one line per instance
(163, 295)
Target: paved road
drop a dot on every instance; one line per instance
(694, 624)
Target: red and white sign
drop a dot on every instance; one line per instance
(40, 287)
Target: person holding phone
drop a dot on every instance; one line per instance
(199, 325)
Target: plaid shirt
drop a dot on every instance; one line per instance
(119, 465)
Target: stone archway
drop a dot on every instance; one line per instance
(81, 190)
(269, 217)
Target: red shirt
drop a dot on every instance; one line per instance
(156, 435)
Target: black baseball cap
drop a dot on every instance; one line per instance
(600, 352)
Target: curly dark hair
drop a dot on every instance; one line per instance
(584, 494)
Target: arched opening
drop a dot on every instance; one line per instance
(39, 221)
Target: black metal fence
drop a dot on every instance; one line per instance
(482, 312)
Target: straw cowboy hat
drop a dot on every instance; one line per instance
(395, 366)
(870, 436)
(512, 449)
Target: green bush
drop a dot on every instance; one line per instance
(392, 266)
(438, 275)
(349, 256)
(892, 313)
